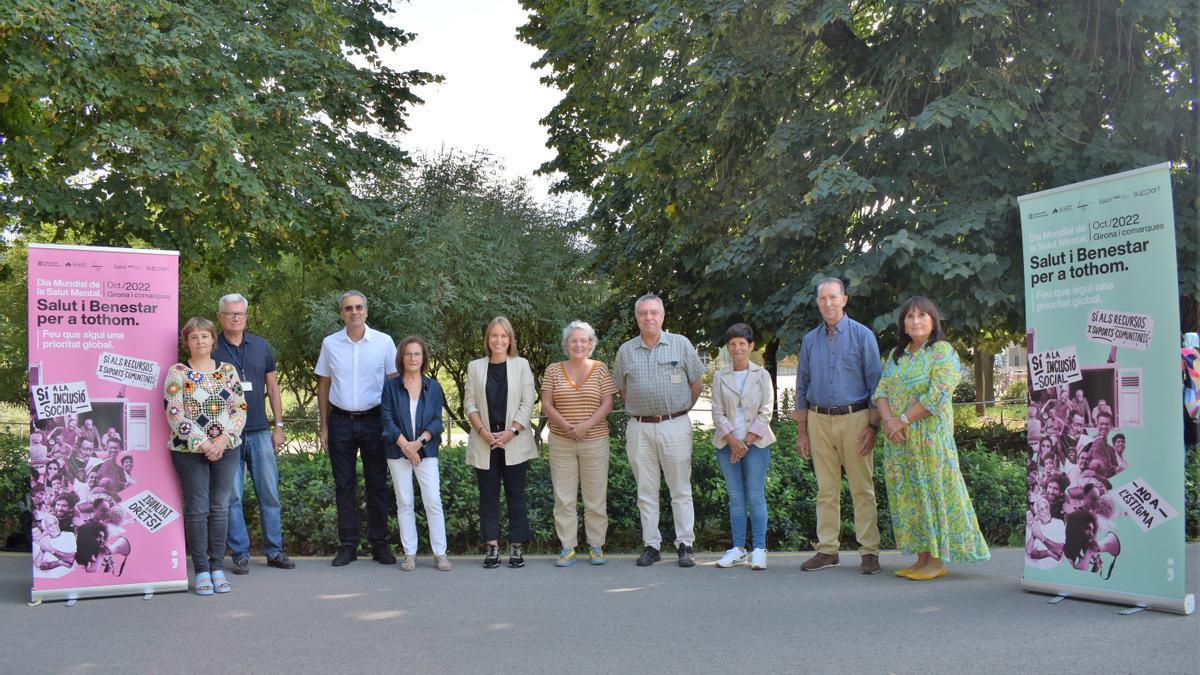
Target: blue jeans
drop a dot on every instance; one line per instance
(746, 484)
(258, 452)
(206, 487)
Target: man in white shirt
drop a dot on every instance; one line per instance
(351, 370)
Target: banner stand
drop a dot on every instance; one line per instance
(1105, 487)
(84, 592)
(105, 498)
(1185, 605)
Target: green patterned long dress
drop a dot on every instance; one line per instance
(931, 510)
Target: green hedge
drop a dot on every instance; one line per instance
(993, 469)
(998, 487)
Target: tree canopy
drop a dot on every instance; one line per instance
(735, 152)
(468, 245)
(228, 129)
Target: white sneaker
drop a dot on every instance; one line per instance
(733, 556)
(758, 559)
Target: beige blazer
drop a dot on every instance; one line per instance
(756, 401)
(519, 409)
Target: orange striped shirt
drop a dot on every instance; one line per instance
(577, 402)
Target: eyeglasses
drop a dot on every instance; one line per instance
(353, 308)
(233, 315)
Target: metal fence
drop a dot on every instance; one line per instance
(1009, 412)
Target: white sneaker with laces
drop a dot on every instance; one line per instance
(758, 559)
(733, 556)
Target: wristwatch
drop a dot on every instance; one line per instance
(279, 424)
(515, 430)
(424, 441)
(904, 419)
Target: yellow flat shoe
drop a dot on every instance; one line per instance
(904, 572)
(921, 576)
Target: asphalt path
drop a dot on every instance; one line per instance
(614, 618)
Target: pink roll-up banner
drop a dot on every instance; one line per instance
(107, 510)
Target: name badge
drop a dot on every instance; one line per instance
(676, 377)
(247, 385)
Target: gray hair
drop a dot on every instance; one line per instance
(351, 294)
(649, 297)
(831, 280)
(586, 328)
(230, 299)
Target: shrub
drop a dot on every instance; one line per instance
(1017, 390)
(992, 464)
(964, 392)
(1191, 492)
(14, 490)
(997, 486)
(791, 501)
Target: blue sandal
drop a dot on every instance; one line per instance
(220, 583)
(204, 584)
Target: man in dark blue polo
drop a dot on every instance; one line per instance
(255, 363)
(836, 375)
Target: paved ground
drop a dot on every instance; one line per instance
(616, 618)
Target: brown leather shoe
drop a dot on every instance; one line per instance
(820, 561)
(869, 564)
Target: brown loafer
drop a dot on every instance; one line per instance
(869, 564)
(820, 561)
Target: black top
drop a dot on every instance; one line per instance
(497, 395)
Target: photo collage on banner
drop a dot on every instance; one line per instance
(107, 512)
(1105, 463)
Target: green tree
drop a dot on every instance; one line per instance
(228, 130)
(735, 152)
(469, 245)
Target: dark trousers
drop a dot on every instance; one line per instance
(206, 488)
(513, 478)
(348, 437)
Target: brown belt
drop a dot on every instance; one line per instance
(840, 410)
(655, 419)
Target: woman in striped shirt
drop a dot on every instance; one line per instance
(577, 395)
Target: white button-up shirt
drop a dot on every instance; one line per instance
(357, 370)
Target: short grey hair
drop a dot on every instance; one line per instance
(231, 298)
(352, 294)
(649, 297)
(831, 280)
(586, 328)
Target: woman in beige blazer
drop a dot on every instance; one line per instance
(742, 397)
(499, 401)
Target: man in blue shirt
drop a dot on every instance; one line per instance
(836, 376)
(255, 363)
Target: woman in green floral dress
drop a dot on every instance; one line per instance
(931, 511)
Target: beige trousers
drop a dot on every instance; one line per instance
(579, 466)
(833, 440)
(666, 448)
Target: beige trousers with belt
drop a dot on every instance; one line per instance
(666, 448)
(833, 440)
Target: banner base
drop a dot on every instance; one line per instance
(1185, 605)
(147, 589)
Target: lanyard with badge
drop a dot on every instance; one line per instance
(238, 356)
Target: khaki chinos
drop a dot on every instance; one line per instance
(666, 448)
(833, 440)
(657, 386)
(579, 466)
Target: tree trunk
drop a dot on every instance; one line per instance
(1189, 314)
(771, 363)
(984, 389)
